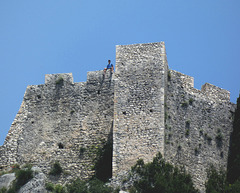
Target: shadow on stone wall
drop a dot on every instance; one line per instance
(103, 167)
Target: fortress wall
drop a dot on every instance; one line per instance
(2, 153)
(143, 107)
(3, 159)
(62, 121)
(8, 153)
(197, 127)
(138, 104)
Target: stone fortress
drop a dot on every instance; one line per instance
(143, 108)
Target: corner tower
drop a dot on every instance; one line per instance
(139, 97)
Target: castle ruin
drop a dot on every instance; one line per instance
(143, 108)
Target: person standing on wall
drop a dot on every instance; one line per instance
(109, 66)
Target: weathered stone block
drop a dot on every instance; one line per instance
(6, 180)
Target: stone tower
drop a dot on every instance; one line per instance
(139, 97)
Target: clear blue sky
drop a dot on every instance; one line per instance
(202, 39)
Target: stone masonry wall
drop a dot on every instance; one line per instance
(138, 104)
(62, 121)
(198, 126)
(143, 107)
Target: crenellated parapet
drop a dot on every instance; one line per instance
(208, 90)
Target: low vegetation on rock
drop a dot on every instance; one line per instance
(23, 175)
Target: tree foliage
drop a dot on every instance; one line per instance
(56, 169)
(218, 183)
(22, 177)
(160, 176)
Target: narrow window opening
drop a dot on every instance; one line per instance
(221, 154)
(60, 145)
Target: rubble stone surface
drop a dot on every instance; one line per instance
(143, 107)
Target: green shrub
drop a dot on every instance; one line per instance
(234, 188)
(56, 169)
(98, 186)
(59, 189)
(160, 176)
(49, 187)
(190, 101)
(55, 188)
(59, 81)
(216, 181)
(77, 186)
(3, 190)
(24, 175)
